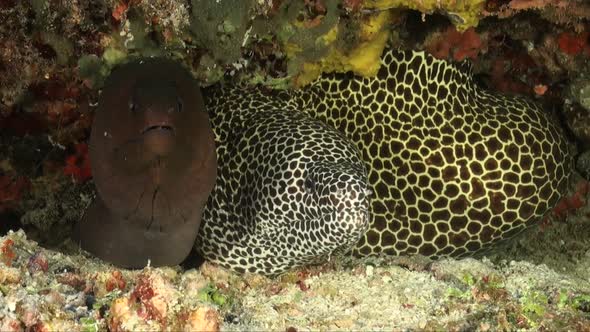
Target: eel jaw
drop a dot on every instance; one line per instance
(159, 138)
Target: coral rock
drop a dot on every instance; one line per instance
(202, 319)
(156, 295)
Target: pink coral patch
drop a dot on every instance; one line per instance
(456, 45)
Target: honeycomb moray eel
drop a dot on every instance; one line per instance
(290, 190)
(153, 160)
(453, 168)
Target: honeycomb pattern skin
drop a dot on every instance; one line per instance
(453, 168)
(290, 190)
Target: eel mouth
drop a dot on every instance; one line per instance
(162, 128)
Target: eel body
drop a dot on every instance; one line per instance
(153, 160)
(452, 168)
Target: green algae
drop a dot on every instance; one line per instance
(534, 305)
(290, 31)
(457, 293)
(210, 294)
(137, 36)
(41, 10)
(63, 47)
(469, 279)
(308, 43)
(96, 69)
(92, 69)
(210, 71)
(581, 302)
(220, 27)
(88, 324)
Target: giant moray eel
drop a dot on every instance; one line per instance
(153, 160)
(291, 190)
(453, 168)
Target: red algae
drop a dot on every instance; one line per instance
(457, 46)
(573, 44)
(573, 202)
(77, 165)
(116, 281)
(7, 254)
(12, 189)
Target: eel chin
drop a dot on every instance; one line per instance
(129, 245)
(159, 139)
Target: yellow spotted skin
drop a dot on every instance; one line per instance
(453, 168)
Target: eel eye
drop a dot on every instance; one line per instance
(179, 105)
(309, 186)
(132, 106)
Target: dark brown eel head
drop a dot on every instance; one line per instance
(153, 160)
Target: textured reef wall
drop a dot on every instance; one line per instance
(54, 56)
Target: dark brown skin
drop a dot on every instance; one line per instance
(154, 165)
